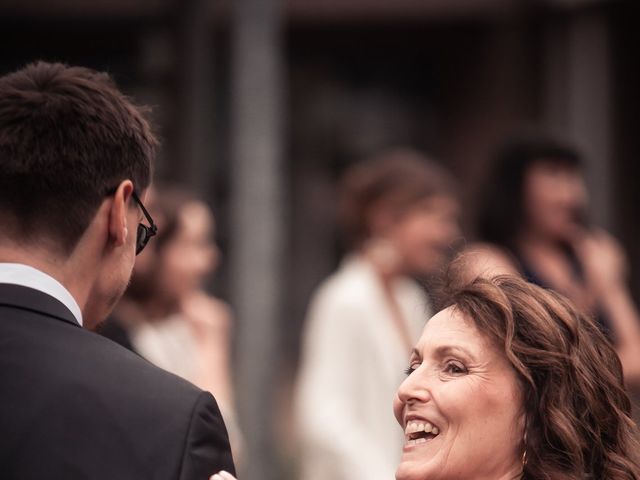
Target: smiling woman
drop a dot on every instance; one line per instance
(508, 382)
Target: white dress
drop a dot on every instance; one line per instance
(353, 362)
(168, 344)
(171, 345)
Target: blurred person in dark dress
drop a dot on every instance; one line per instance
(533, 221)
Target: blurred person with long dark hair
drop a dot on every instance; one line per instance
(166, 316)
(400, 214)
(533, 221)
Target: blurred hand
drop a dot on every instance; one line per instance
(603, 260)
(207, 315)
(630, 359)
(222, 476)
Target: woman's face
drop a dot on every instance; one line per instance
(464, 391)
(555, 198)
(423, 235)
(190, 255)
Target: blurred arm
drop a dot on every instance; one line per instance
(605, 266)
(212, 322)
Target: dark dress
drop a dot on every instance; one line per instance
(577, 272)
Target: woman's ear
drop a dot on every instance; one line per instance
(118, 226)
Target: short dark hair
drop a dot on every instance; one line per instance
(67, 137)
(500, 214)
(400, 178)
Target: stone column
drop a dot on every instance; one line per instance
(258, 219)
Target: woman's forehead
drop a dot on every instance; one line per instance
(450, 327)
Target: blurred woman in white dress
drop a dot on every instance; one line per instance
(400, 214)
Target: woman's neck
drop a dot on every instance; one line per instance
(387, 273)
(385, 261)
(516, 472)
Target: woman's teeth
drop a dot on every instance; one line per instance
(418, 432)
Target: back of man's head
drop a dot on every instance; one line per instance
(68, 137)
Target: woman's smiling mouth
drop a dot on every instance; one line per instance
(419, 431)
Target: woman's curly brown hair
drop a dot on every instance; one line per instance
(578, 423)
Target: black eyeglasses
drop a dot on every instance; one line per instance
(144, 232)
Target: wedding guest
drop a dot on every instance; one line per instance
(400, 214)
(510, 381)
(75, 166)
(533, 221)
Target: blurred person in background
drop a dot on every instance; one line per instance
(166, 316)
(400, 214)
(533, 221)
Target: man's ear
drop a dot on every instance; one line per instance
(118, 229)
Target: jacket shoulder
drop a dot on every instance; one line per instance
(83, 401)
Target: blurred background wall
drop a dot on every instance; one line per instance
(261, 104)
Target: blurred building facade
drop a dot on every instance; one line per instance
(262, 104)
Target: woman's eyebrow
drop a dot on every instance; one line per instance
(444, 350)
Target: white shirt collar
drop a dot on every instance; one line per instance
(26, 276)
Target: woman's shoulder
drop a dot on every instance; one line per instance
(350, 289)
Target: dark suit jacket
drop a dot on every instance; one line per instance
(74, 405)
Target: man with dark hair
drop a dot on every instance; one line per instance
(75, 163)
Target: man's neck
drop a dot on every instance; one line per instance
(64, 270)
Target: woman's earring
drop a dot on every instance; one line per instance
(524, 454)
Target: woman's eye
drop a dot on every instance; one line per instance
(455, 368)
(410, 369)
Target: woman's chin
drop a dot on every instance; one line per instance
(413, 470)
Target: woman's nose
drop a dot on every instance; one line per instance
(415, 387)
(413, 390)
